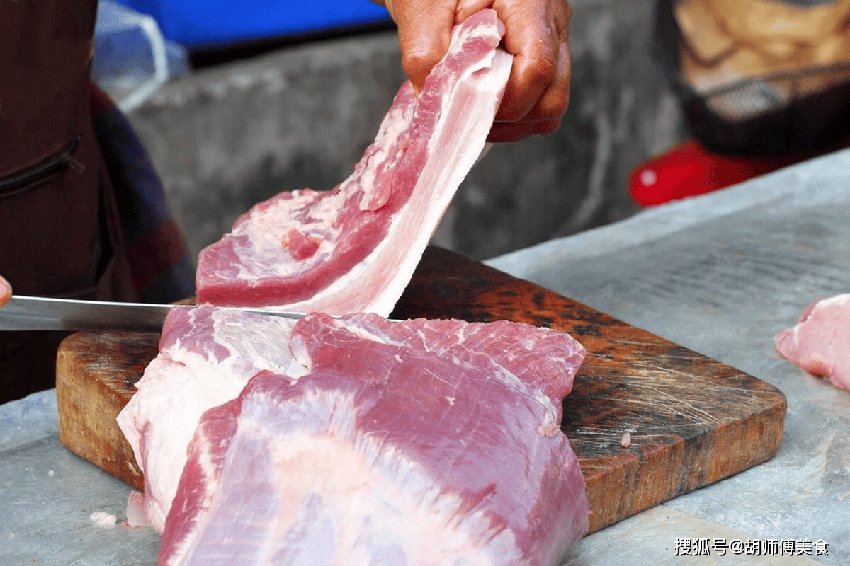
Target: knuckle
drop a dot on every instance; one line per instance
(417, 62)
(541, 68)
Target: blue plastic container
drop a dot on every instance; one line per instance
(131, 57)
(209, 24)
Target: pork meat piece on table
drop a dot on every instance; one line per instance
(354, 248)
(820, 341)
(414, 442)
(206, 357)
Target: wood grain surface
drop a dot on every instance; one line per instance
(691, 420)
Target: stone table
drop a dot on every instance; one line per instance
(719, 274)
(722, 274)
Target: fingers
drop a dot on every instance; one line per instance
(466, 8)
(5, 291)
(424, 34)
(503, 132)
(536, 33)
(538, 90)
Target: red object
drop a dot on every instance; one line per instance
(689, 169)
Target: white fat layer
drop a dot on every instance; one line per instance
(455, 157)
(166, 409)
(835, 301)
(263, 344)
(267, 234)
(180, 385)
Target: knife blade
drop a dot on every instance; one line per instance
(24, 312)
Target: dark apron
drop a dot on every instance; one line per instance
(60, 232)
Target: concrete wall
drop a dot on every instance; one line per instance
(225, 138)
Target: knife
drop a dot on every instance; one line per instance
(40, 313)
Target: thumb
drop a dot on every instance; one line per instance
(424, 34)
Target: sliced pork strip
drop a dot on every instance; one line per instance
(206, 357)
(820, 341)
(418, 442)
(354, 248)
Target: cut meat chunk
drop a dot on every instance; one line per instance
(206, 357)
(416, 442)
(820, 342)
(354, 440)
(354, 248)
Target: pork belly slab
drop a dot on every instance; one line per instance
(415, 442)
(820, 341)
(354, 248)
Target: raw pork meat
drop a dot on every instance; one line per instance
(354, 249)
(416, 442)
(820, 342)
(206, 357)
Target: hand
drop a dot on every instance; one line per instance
(5, 291)
(536, 33)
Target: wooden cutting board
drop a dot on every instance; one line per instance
(692, 420)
